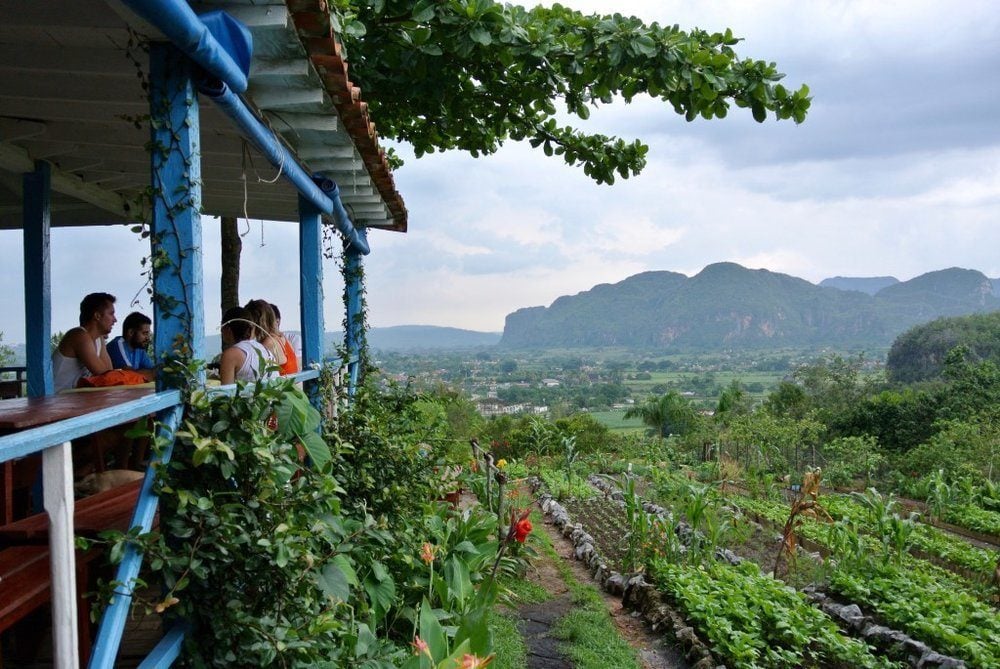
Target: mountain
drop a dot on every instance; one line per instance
(423, 337)
(866, 284)
(727, 305)
(399, 338)
(919, 353)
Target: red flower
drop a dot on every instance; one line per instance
(420, 647)
(521, 530)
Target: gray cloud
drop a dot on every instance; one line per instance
(894, 172)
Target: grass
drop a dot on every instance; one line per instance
(615, 421)
(508, 646)
(591, 639)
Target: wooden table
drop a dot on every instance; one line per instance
(27, 412)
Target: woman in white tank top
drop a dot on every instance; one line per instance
(245, 359)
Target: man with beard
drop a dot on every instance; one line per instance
(82, 352)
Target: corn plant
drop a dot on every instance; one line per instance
(806, 505)
(638, 525)
(569, 457)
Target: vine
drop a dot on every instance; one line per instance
(360, 321)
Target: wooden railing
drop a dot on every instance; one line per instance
(53, 442)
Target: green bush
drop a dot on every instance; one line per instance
(277, 560)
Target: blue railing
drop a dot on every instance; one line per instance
(53, 442)
(169, 412)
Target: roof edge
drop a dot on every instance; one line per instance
(315, 30)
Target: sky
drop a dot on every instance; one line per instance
(896, 171)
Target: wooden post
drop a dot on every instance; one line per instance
(232, 248)
(311, 293)
(178, 303)
(37, 283)
(352, 334)
(57, 473)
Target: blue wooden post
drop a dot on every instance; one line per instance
(178, 304)
(311, 292)
(352, 335)
(37, 286)
(112, 626)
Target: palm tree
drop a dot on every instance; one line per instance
(665, 415)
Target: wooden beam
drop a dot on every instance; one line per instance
(16, 159)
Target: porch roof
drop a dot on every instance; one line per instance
(71, 94)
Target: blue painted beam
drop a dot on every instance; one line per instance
(323, 194)
(112, 626)
(178, 23)
(37, 282)
(27, 442)
(311, 291)
(231, 388)
(226, 64)
(168, 648)
(178, 302)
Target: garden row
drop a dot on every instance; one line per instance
(872, 567)
(748, 618)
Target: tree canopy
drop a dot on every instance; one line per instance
(472, 74)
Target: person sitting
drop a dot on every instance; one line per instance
(244, 358)
(291, 361)
(262, 314)
(81, 351)
(128, 350)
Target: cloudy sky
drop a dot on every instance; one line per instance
(895, 172)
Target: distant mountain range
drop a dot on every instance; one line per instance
(395, 338)
(727, 305)
(870, 284)
(405, 338)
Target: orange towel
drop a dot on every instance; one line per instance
(116, 377)
(291, 363)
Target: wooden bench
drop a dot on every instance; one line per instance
(25, 577)
(26, 586)
(106, 510)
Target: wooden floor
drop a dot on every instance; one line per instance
(141, 634)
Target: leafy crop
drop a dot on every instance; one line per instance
(753, 621)
(950, 620)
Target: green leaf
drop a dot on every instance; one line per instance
(380, 589)
(645, 45)
(480, 35)
(423, 11)
(333, 581)
(317, 448)
(432, 632)
(458, 579)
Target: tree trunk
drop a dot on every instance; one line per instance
(232, 246)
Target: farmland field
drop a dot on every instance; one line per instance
(615, 420)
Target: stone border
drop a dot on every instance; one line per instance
(892, 642)
(635, 592)
(848, 617)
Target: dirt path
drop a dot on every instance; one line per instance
(653, 650)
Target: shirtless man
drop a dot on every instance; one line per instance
(82, 352)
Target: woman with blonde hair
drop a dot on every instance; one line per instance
(266, 332)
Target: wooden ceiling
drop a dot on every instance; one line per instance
(71, 94)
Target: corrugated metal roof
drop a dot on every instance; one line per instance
(71, 94)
